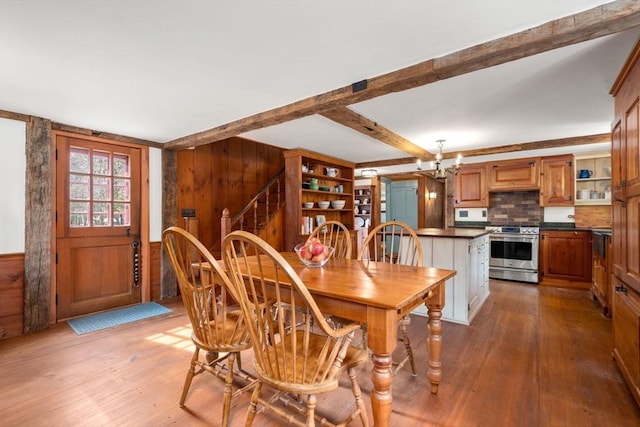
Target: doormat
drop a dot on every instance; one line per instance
(107, 319)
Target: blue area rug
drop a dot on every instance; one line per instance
(96, 322)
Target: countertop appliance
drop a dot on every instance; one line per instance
(514, 253)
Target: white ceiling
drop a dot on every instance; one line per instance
(166, 69)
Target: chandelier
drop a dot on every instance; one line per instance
(439, 171)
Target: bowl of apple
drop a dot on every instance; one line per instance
(313, 253)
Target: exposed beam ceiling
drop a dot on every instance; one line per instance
(600, 21)
(539, 145)
(358, 122)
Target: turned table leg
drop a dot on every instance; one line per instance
(434, 341)
(381, 397)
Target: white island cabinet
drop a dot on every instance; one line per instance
(466, 251)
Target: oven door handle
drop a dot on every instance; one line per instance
(524, 238)
(493, 267)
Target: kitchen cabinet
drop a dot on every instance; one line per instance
(626, 332)
(601, 281)
(334, 179)
(593, 180)
(557, 182)
(565, 258)
(512, 175)
(467, 252)
(470, 187)
(625, 182)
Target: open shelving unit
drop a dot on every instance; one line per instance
(599, 181)
(301, 167)
(363, 206)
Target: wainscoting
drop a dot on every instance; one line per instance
(11, 295)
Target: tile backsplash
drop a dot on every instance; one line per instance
(519, 207)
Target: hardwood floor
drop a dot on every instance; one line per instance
(533, 356)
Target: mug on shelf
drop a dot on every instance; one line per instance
(332, 172)
(314, 184)
(584, 194)
(585, 173)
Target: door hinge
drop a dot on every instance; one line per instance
(56, 299)
(56, 154)
(56, 257)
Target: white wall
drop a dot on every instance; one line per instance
(12, 185)
(155, 194)
(12, 188)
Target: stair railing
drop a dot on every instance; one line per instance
(251, 214)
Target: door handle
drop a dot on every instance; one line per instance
(621, 288)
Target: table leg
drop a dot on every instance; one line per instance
(381, 397)
(434, 304)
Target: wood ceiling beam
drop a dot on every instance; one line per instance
(360, 123)
(537, 145)
(606, 19)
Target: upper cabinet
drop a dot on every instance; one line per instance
(470, 187)
(557, 182)
(593, 180)
(512, 175)
(318, 188)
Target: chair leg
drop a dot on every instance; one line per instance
(311, 407)
(407, 345)
(357, 393)
(228, 390)
(253, 407)
(189, 378)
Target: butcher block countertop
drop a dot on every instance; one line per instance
(462, 233)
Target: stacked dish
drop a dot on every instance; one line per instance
(338, 204)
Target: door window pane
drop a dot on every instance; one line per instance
(78, 187)
(99, 188)
(79, 160)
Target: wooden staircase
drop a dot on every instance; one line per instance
(262, 216)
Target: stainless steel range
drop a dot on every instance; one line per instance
(514, 253)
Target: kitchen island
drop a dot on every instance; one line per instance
(465, 250)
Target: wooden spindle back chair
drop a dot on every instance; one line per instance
(336, 235)
(291, 356)
(395, 242)
(218, 327)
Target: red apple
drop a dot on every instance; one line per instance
(317, 248)
(318, 258)
(305, 253)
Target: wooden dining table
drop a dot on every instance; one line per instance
(379, 294)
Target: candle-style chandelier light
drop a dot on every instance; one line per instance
(439, 171)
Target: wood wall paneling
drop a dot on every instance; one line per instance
(225, 174)
(11, 295)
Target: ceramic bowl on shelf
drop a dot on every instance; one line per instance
(306, 185)
(324, 188)
(338, 204)
(324, 204)
(308, 205)
(313, 254)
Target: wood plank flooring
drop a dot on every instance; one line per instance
(533, 356)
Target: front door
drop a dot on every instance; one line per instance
(97, 225)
